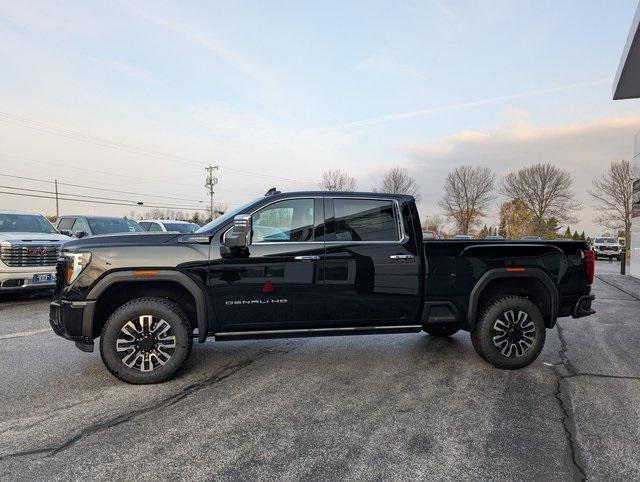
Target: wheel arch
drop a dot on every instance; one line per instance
(533, 283)
(157, 283)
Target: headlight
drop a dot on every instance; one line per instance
(76, 262)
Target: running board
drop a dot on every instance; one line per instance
(305, 332)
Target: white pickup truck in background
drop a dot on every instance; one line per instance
(607, 248)
(29, 247)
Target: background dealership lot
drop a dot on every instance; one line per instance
(363, 406)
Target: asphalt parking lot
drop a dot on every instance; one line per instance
(365, 407)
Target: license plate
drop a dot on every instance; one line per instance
(42, 278)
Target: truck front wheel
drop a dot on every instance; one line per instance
(510, 332)
(146, 340)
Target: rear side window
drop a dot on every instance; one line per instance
(65, 224)
(365, 220)
(144, 225)
(155, 227)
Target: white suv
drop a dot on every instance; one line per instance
(157, 225)
(607, 248)
(29, 247)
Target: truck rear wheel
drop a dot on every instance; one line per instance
(510, 332)
(441, 329)
(146, 340)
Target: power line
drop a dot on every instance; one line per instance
(108, 143)
(140, 203)
(95, 202)
(98, 188)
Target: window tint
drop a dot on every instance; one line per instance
(113, 225)
(289, 220)
(80, 226)
(365, 220)
(179, 227)
(155, 227)
(65, 224)
(144, 225)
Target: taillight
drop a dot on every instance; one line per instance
(590, 258)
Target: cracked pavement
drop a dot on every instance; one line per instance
(366, 407)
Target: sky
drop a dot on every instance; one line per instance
(141, 96)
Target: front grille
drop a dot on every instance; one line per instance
(28, 255)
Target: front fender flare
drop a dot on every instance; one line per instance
(158, 275)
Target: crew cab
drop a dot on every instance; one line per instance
(29, 247)
(84, 226)
(308, 264)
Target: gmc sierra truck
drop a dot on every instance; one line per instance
(305, 264)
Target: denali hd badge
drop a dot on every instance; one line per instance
(256, 302)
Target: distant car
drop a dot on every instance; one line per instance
(494, 238)
(607, 248)
(29, 248)
(83, 226)
(157, 225)
(463, 237)
(530, 238)
(430, 235)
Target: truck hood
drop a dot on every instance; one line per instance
(122, 239)
(33, 237)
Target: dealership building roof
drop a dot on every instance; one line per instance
(627, 82)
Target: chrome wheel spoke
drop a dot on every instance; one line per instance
(146, 343)
(514, 333)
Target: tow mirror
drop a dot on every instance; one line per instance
(80, 234)
(237, 239)
(65, 232)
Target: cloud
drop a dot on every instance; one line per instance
(464, 105)
(124, 68)
(585, 149)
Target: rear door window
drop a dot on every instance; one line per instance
(65, 224)
(365, 220)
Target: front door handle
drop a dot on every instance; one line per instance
(311, 257)
(401, 256)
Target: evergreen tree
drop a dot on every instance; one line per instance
(576, 236)
(567, 233)
(582, 237)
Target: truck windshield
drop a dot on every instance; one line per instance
(216, 223)
(25, 223)
(180, 227)
(113, 225)
(606, 241)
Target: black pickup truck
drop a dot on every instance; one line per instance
(305, 264)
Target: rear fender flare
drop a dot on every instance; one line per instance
(500, 273)
(188, 283)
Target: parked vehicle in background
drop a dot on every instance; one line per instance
(494, 238)
(607, 248)
(83, 226)
(530, 238)
(462, 237)
(29, 248)
(157, 225)
(427, 235)
(310, 264)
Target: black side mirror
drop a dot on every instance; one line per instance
(80, 234)
(65, 232)
(240, 234)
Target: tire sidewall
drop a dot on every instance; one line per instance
(159, 308)
(482, 336)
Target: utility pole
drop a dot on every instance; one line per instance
(210, 183)
(57, 209)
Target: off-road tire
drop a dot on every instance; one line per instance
(441, 329)
(485, 333)
(159, 308)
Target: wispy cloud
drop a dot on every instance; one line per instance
(212, 45)
(124, 68)
(465, 105)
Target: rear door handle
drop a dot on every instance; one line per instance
(401, 256)
(311, 257)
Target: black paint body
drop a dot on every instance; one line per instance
(339, 287)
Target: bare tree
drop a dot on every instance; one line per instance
(337, 180)
(468, 192)
(398, 181)
(613, 193)
(545, 190)
(433, 223)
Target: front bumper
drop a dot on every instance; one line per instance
(73, 320)
(21, 280)
(583, 306)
